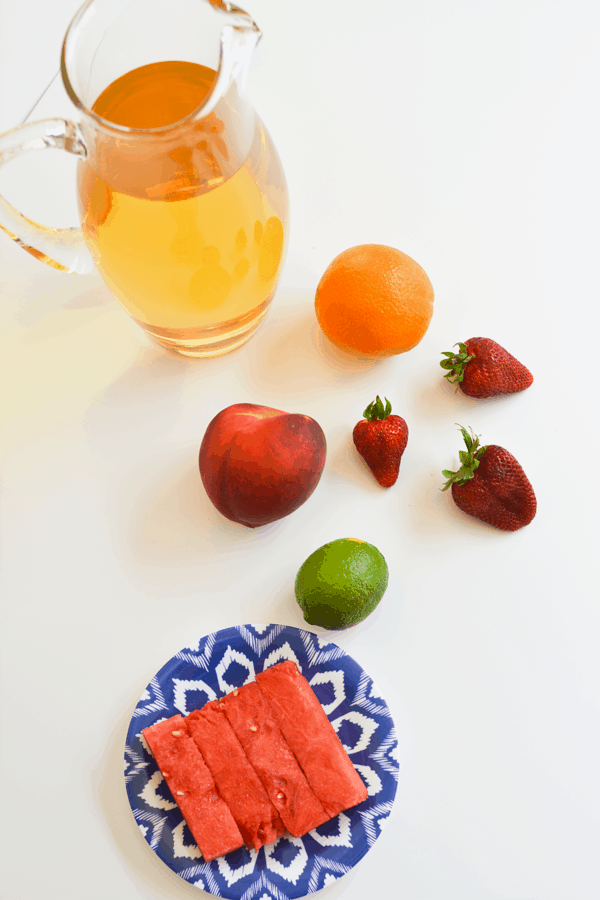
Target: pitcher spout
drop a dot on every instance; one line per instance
(231, 9)
(239, 37)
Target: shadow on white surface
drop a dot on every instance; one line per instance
(291, 355)
(433, 514)
(435, 397)
(179, 523)
(41, 292)
(94, 297)
(149, 378)
(169, 538)
(347, 466)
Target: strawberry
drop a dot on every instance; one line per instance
(381, 439)
(482, 368)
(491, 485)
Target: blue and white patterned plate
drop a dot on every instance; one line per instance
(291, 867)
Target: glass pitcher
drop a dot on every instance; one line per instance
(182, 198)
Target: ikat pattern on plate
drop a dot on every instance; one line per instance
(291, 867)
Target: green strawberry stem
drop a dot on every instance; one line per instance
(457, 363)
(376, 409)
(469, 459)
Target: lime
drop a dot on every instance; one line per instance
(341, 583)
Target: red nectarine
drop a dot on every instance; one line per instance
(260, 464)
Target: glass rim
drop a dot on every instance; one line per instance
(207, 104)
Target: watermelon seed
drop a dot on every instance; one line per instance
(253, 728)
(175, 733)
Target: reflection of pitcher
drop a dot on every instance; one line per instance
(182, 198)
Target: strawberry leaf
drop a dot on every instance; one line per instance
(456, 363)
(469, 458)
(376, 409)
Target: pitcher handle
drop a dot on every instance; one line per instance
(61, 248)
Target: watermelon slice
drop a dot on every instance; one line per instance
(311, 737)
(236, 780)
(272, 760)
(193, 788)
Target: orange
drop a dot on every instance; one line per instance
(374, 301)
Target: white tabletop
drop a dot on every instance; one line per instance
(465, 134)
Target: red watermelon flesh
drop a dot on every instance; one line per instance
(272, 760)
(193, 788)
(237, 782)
(311, 737)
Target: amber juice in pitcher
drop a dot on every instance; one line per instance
(187, 237)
